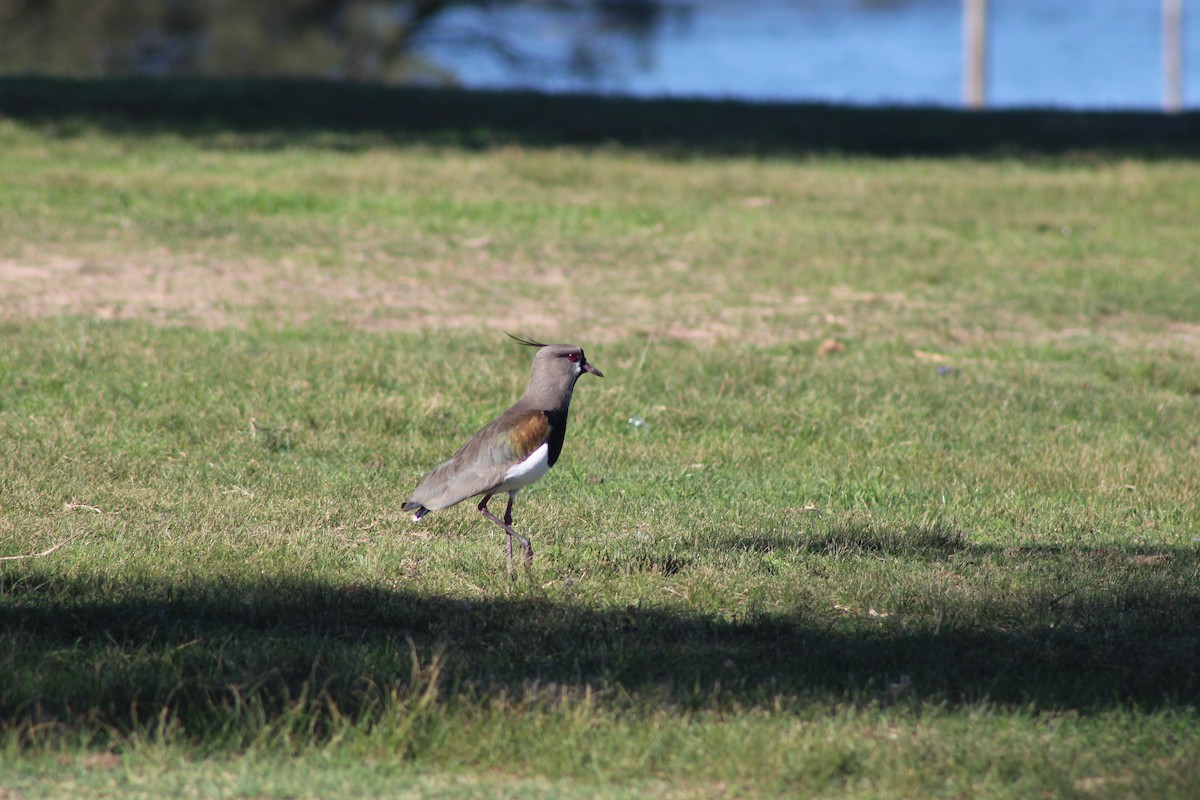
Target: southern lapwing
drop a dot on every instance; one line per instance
(513, 450)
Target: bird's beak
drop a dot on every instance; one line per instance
(589, 368)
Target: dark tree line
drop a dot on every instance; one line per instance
(379, 40)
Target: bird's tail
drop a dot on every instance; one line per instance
(417, 509)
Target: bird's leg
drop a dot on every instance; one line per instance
(506, 523)
(483, 509)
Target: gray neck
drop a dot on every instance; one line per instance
(549, 390)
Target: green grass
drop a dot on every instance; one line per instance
(958, 554)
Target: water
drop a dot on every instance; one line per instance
(1050, 53)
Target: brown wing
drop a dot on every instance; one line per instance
(479, 466)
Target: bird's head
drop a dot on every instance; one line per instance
(559, 359)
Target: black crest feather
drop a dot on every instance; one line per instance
(526, 342)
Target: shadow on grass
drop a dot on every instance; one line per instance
(93, 651)
(919, 542)
(282, 112)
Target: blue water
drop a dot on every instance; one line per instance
(1059, 53)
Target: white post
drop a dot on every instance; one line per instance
(1172, 48)
(975, 53)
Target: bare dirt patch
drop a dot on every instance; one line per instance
(479, 292)
(167, 289)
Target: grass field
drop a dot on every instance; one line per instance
(890, 489)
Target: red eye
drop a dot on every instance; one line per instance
(572, 357)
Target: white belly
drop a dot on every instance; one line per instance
(533, 467)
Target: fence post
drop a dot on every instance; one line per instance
(975, 52)
(1172, 49)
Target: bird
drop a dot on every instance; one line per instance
(513, 450)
